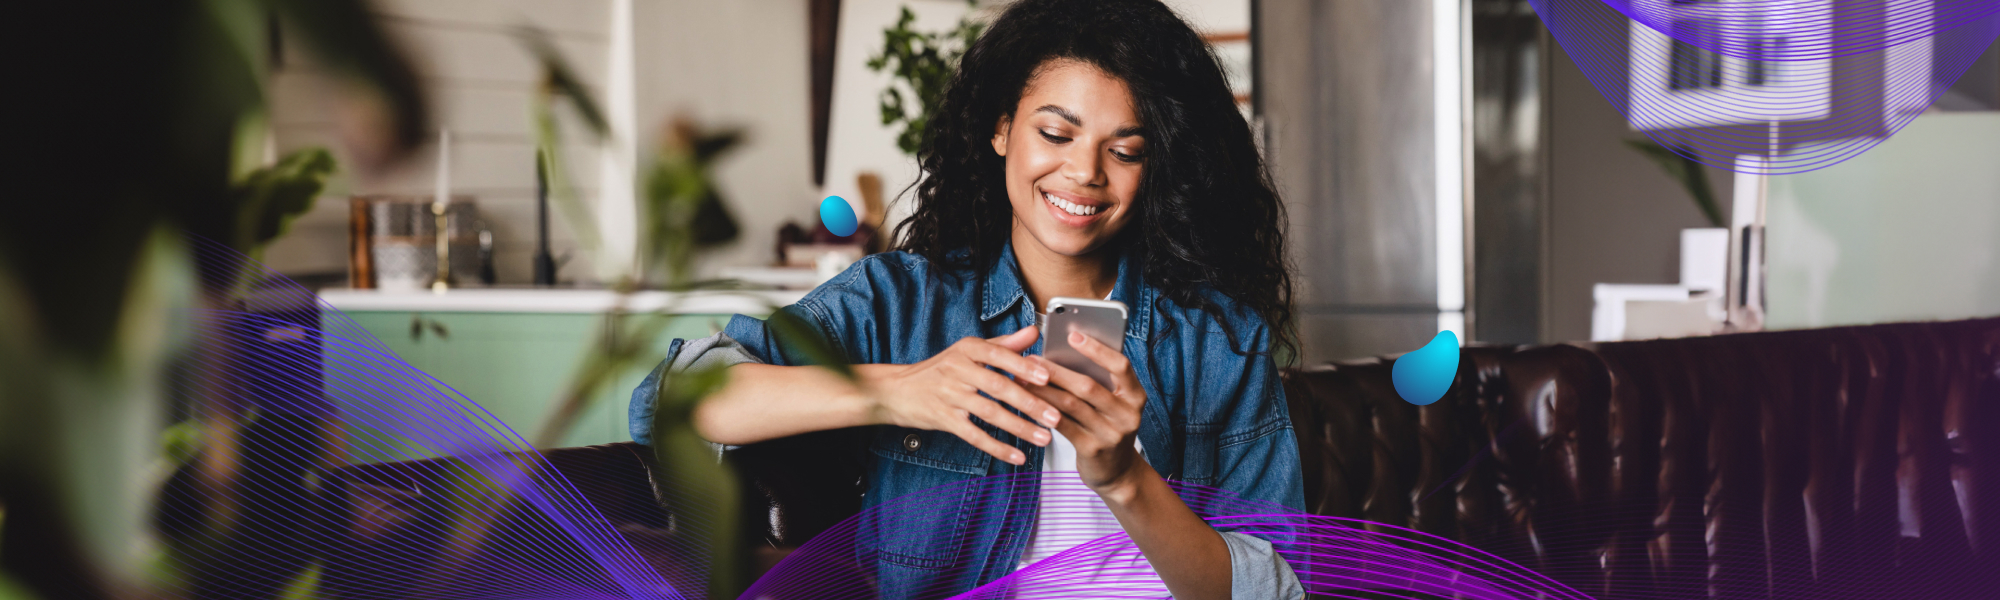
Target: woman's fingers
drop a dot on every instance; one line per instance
(1119, 413)
(1009, 391)
(1105, 356)
(1079, 385)
(1079, 411)
(998, 416)
(1000, 353)
(1019, 341)
(961, 426)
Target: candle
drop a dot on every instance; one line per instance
(438, 205)
(443, 170)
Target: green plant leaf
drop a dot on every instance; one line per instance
(270, 198)
(924, 62)
(304, 585)
(9, 591)
(560, 81)
(181, 442)
(798, 334)
(698, 473)
(1685, 171)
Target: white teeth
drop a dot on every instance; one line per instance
(1070, 207)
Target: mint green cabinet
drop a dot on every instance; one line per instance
(514, 365)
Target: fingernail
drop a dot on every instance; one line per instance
(1041, 438)
(1075, 338)
(1051, 417)
(1016, 458)
(1041, 376)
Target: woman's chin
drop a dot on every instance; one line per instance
(1069, 243)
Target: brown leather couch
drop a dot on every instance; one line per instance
(1855, 462)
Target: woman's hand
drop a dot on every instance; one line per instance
(1102, 422)
(942, 393)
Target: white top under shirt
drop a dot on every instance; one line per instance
(1069, 514)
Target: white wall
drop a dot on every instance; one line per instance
(1908, 231)
(740, 63)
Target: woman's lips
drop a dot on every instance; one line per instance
(1072, 210)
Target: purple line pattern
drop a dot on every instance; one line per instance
(1331, 556)
(351, 460)
(1771, 87)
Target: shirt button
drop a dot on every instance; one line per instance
(910, 442)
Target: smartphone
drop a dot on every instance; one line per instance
(1102, 320)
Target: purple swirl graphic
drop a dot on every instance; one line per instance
(1331, 556)
(1812, 29)
(1773, 87)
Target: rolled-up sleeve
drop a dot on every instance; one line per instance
(1256, 570)
(714, 351)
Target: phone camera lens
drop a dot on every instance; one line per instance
(1061, 309)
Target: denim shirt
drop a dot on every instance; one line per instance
(1214, 415)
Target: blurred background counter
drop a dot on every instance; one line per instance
(513, 350)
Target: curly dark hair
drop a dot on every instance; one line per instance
(1208, 215)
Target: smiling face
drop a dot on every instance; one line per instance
(1074, 156)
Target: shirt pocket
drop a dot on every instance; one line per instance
(1199, 460)
(925, 481)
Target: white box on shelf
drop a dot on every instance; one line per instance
(1705, 258)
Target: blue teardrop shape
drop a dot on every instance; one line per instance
(838, 216)
(1423, 376)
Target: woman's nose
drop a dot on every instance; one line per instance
(1084, 166)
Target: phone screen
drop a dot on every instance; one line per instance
(1102, 320)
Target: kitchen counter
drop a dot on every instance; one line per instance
(558, 300)
(514, 351)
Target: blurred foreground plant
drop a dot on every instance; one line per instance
(683, 215)
(131, 120)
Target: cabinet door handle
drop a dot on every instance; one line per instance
(418, 323)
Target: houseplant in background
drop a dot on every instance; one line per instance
(921, 62)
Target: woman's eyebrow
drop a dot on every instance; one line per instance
(1073, 120)
(1061, 112)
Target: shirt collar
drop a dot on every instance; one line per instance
(1004, 290)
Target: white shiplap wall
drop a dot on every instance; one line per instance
(480, 81)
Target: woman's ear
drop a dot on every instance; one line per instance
(1000, 129)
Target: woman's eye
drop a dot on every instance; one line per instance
(1130, 158)
(1053, 138)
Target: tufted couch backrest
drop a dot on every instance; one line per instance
(1854, 462)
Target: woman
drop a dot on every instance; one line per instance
(1088, 150)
